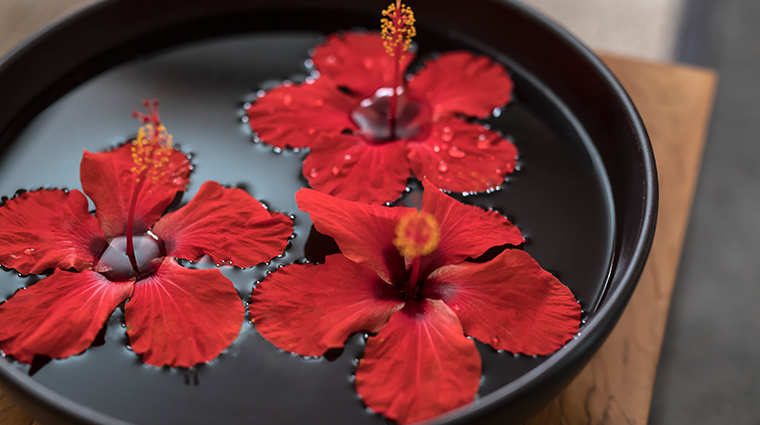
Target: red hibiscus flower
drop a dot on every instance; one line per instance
(175, 316)
(406, 276)
(345, 117)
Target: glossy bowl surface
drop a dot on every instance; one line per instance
(555, 67)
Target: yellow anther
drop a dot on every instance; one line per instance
(417, 234)
(397, 28)
(151, 150)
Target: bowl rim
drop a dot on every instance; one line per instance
(595, 329)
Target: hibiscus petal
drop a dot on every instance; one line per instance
(308, 309)
(462, 157)
(179, 317)
(419, 365)
(466, 231)
(229, 225)
(364, 233)
(106, 178)
(348, 167)
(60, 315)
(318, 108)
(510, 303)
(462, 83)
(48, 229)
(358, 61)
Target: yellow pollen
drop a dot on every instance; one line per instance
(397, 28)
(151, 151)
(417, 234)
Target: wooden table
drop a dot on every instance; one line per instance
(616, 387)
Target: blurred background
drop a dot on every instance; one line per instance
(709, 371)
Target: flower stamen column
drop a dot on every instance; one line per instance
(150, 152)
(417, 234)
(397, 32)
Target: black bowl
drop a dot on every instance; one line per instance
(113, 31)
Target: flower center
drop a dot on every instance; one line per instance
(417, 234)
(373, 114)
(115, 264)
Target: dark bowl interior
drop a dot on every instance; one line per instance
(111, 32)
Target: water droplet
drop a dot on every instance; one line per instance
(114, 263)
(308, 63)
(311, 131)
(496, 112)
(313, 173)
(277, 149)
(454, 152)
(447, 134)
(287, 100)
(331, 59)
(456, 307)
(494, 339)
(335, 171)
(371, 116)
(483, 142)
(368, 62)
(443, 167)
(347, 157)
(319, 102)
(244, 119)
(29, 251)
(247, 105)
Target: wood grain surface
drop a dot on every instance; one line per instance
(616, 387)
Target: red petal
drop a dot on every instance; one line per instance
(462, 157)
(466, 231)
(107, 179)
(510, 303)
(419, 365)
(228, 224)
(462, 83)
(358, 61)
(348, 167)
(309, 309)
(48, 229)
(364, 233)
(295, 115)
(60, 316)
(180, 317)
